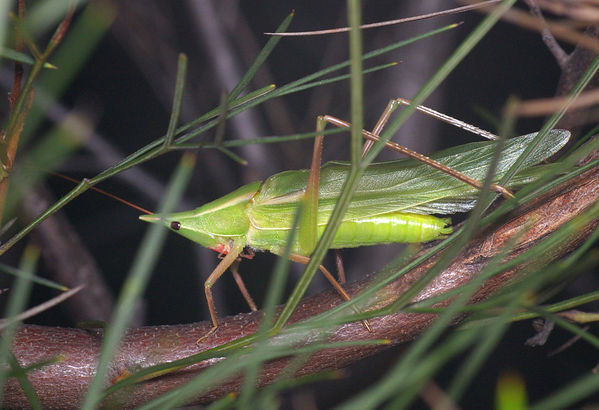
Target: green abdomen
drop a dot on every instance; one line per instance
(372, 230)
(390, 228)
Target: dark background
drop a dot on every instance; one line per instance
(126, 86)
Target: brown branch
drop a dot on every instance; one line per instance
(21, 103)
(64, 384)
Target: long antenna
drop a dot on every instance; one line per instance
(108, 194)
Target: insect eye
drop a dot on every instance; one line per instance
(175, 225)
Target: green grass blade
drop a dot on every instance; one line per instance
(33, 278)
(234, 364)
(51, 150)
(260, 59)
(20, 374)
(478, 355)
(261, 140)
(233, 100)
(356, 91)
(232, 155)
(561, 305)
(350, 183)
(19, 295)
(85, 34)
(4, 10)
(354, 17)
(136, 282)
(153, 149)
(491, 333)
(273, 139)
(45, 15)
(14, 55)
(290, 87)
(310, 270)
(273, 298)
(551, 123)
(429, 366)
(237, 103)
(222, 121)
(177, 100)
(585, 386)
(320, 83)
(458, 55)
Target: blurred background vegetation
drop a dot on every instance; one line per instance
(119, 83)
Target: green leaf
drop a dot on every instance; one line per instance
(21, 58)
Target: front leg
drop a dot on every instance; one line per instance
(221, 268)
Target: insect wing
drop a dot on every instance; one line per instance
(419, 188)
(403, 185)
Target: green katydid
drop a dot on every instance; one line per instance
(394, 202)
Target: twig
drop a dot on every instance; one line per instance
(41, 307)
(546, 106)
(558, 30)
(456, 10)
(558, 52)
(58, 387)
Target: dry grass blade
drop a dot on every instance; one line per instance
(456, 10)
(586, 11)
(545, 106)
(41, 307)
(562, 31)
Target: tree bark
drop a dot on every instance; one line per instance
(63, 384)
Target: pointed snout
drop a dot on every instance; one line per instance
(150, 218)
(166, 221)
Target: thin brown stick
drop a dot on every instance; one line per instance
(36, 310)
(545, 106)
(550, 42)
(456, 10)
(101, 191)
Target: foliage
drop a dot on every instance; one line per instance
(424, 359)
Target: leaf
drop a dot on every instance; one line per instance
(20, 57)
